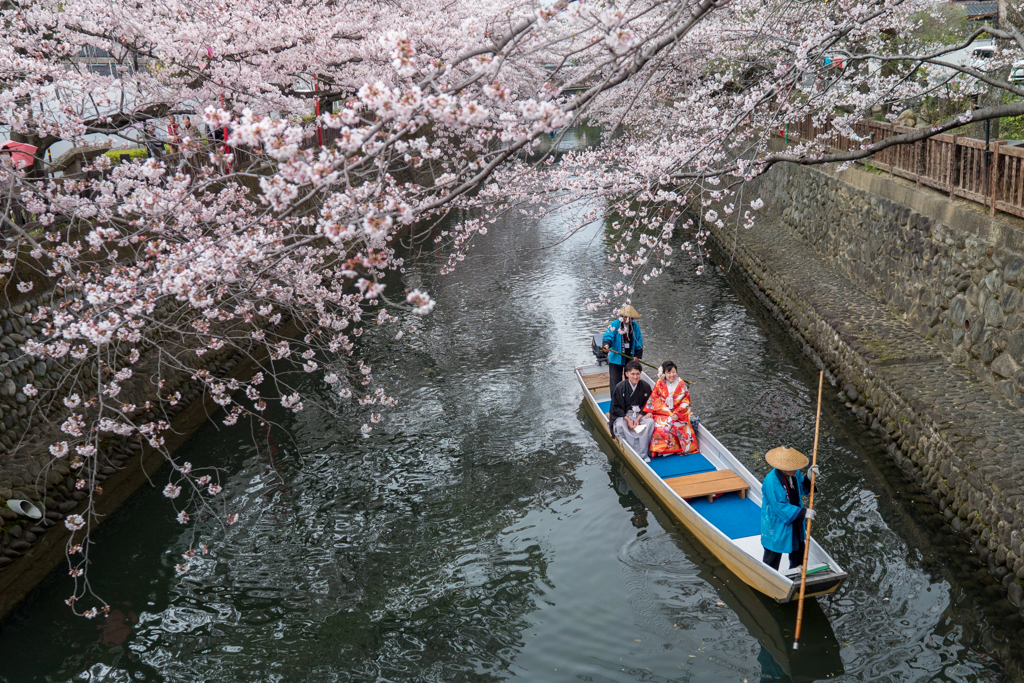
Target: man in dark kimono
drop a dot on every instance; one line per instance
(626, 418)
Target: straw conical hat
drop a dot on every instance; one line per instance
(786, 458)
(629, 312)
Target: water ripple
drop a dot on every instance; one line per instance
(481, 534)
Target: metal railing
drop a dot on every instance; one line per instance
(955, 164)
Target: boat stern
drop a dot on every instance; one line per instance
(822, 583)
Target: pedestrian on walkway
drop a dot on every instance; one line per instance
(173, 134)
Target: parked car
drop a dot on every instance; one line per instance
(983, 51)
(1017, 72)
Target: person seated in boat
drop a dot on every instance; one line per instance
(782, 509)
(626, 417)
(622, 336)
(669, 407)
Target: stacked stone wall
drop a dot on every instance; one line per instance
(962, 288)
(936, 368)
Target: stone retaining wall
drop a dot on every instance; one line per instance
(915, 306)
(954, 282)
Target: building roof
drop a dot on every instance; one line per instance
(980, 9)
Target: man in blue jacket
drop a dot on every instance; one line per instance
(782, 510)
(622, 336)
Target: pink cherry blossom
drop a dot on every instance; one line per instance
(433, 111)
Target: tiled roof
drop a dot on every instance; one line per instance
(980, 9)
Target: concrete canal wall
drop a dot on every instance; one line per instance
(914, 306)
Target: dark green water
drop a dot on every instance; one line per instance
(484, 534)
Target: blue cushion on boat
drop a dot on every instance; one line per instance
(680, 465)
(736, 517)
(605, 406)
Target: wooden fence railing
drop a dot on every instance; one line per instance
(957, 165)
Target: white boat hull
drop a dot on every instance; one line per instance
(738, 550)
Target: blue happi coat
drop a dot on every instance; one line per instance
(614, 341)
(778, 514)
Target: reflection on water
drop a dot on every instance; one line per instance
(483, 534)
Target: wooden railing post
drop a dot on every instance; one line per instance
(894, 151)
(954, 167)
(994, 176)
(918, 160)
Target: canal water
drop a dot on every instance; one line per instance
(482, 532)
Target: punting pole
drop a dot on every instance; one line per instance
(810, 506)
(652, 367)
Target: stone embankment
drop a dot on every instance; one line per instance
(914, 304)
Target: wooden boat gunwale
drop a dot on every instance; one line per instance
(749, 569)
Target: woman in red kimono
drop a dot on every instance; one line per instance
(669, 405)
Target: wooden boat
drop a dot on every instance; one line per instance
(772, 624)
(712, 495)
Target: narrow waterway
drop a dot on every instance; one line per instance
(482, 533)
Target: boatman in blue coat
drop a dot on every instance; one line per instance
(622, 336)
(782, 509)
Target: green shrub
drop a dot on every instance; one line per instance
(137, 153)
(1011, 127)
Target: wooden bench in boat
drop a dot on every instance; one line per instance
(595, 382)
(708, 484)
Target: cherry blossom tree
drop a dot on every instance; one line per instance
(272, 248)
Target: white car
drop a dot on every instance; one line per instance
(1017, 72)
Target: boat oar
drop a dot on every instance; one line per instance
(810, 506)
(652, 367)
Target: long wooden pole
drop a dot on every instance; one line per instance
(626, 355)
(810, 506)
(653, 367)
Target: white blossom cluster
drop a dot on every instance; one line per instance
(271, 248)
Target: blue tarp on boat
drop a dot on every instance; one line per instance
(736, 517)
(668, 466)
